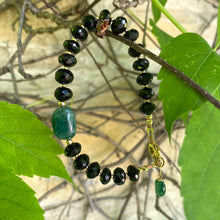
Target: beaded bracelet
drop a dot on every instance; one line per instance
(64, 121)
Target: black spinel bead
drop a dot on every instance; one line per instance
(63, 94)
(72, 149)
(79, 32)
(146, 93)
(133, 173)
(81, 162)
(147, 108)
(105, 176)
(89, 21)
(93, 170)
(144, 79)
(105, 15)
(67, 60)
(133, 53)
(119, 176)
(141, 64)
(64, 76)
(72, 46)
(119, 25)
(132, 34)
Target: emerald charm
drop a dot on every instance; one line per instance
(64, 122)
(160, 187)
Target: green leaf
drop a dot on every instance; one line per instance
(156, 11)
(162, 37)
(199, 158)
(26, 145)
(218, 28)
(17, 200)
(191, 54)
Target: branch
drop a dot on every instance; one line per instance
(167, 66)
(19, 44)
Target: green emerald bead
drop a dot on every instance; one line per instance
(64, 122)
(160, 187)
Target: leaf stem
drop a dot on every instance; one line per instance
(167, 66)
(169, 16)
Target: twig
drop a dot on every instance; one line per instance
(109, 85)
(19, 44)
(54, 189)
(125, 203)
(167, 66)
(48, 5)
(157, 206)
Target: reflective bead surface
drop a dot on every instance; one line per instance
(160, 187)
(147, 108)
(64, 76)
(81, 162)
(132, 34)
(144, 79)
(141, 64)
(119, 25)
(79, 32)
(105, 15)
(133, 173)
(146, 93)
(105, 175)
(119, 176)
(89, 21)
(63, 94)
(72, 149)
(67, 60)
(93, 170)
(64, 122)
(71, 46)
(133, 53)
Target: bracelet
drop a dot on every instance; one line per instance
(63, 118)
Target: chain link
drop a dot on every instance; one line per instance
(127, 4)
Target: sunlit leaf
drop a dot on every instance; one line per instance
(199, 158)
(26, 146)
(191, 54)
(162, 37)
(156, 11)
(17, 200)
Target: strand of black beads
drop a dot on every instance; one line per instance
(141, 64)
(63, 119)
(147, 108)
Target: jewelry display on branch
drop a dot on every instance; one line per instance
(63, 118)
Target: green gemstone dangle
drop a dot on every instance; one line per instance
(160, 187)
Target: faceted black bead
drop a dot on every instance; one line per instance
(133, 53)
(67, 60)
(146, 93)
(81, 162)
(79, 32)
(89, 21)
(72, 46)
(132, 34)
(105, 15)
(141, 64)
(105, 176)
(119, 176)
(144, 79)
(93, 170)
(119, 25)
(72, 149)
(63, 94)
(64, 76)
(147, 108)
(133, 173)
